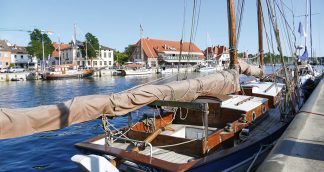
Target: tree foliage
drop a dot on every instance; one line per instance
(35, 45)
(254, 58)
(122, 57)
(129, 50)
(92, 44)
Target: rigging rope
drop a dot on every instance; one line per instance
(239, 24)
(182, 36)
(288, 97)
(194, 27)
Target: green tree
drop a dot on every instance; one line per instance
(35, 45)
(92, 44)
(129, 50)
(120, 57)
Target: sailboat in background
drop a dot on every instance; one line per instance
(305, 71)
(65, 71)
(210, 63)
(143, 70)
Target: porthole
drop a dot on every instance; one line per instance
(263, 109)
(253, 116)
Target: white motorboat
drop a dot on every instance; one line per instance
(138, 71)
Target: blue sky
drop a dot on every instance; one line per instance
(116, 23)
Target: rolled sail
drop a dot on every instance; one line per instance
(250, 70)
(26, 121)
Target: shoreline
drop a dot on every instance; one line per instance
(22, 76)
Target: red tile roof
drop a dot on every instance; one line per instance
(216, 50)
(55, 53)
(152, 47)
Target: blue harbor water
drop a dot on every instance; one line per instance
(51, 151)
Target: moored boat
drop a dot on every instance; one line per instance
(208, 133)
(207, 69)
(66, 71)
(141, 71)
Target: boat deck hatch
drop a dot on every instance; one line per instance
(187, 131)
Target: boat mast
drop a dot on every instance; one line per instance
(142, 52)
(306, 16)
(59, 48)
(86, 51)
(232, 35)
(260, 33)
(74, 46)
(207, 47)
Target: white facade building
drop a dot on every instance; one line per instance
(219, 53)
(20, 57)
(105, 58)
(73, 55)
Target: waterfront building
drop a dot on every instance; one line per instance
(56, 58)
(73, 55)
(105, 57)
(5, 54)
(164, 52)
(70, 54)
(21, 58)
(219, 54)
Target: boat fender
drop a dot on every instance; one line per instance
(94, 163)
(244, 134)
(245, 131)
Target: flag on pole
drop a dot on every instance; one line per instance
(301, 30)
(304, 56)
(141, 27)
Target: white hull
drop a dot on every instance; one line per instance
(138, 72)
(169, 70)
(209, 69)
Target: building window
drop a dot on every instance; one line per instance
(88, 62)
(95, 63)
(21, 56)
(104, 54)
(109, 62)
(7, 63)
(109, 54)
(105, 63)
(100, 63)
(15, 55)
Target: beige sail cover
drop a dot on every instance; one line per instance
(25, 121)
(250, 70)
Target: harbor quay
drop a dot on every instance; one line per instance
(23, 76)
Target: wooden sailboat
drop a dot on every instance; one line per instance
(66, 71)
(222, 133)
